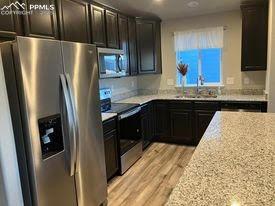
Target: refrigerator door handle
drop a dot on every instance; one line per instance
(70, 127)
(76, 119)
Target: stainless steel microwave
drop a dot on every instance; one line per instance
(112, 63)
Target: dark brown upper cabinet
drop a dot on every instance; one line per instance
(124, 38)
(112, 29)
(148, 46)
(74, 21)
(41, 25)
(133, 64)
(98, 26)
(254, 36)
(10, 25)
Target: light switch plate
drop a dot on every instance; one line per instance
(230, 80)
(170, 82)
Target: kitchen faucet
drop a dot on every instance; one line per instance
(200, 82)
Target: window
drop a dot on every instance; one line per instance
(205, 62)
(201, 50)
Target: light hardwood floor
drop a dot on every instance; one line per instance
(151, 180)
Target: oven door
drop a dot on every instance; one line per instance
(112, 63)
(129, 130)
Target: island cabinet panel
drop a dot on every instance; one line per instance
(10, 25)
(133, 64)
(112, 29)
(147, 121)
(98, 26)
(162, 121)
(124, 39)
(41, 25)
(110, 148)
(254, 36)
(74, 21)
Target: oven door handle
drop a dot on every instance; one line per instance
(128, 114)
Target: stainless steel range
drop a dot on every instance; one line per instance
(129, 129)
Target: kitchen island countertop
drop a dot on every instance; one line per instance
(233, 163)
(106, 116)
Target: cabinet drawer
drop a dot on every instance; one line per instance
(109, 125)
(241, 105)
(180, 105)
(212, 106)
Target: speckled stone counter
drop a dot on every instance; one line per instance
(142, 99)
(106, 116)
(232, 165)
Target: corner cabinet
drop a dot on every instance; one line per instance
(74, 21)
(10, 25)
(124, 38)
(98, 26)
(148, 46)
(112, 29)
(38, 25)
(254, 36)
(133, 64)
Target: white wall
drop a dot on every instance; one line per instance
(10, 189)
(231, 52)
(270, 82)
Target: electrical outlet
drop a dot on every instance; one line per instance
(170, 82)
(230, 80)
(246, 80)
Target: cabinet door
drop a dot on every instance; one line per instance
(181, 126)
(162, 128)
(146, 46)
(10, 25)
(147, 124)
(111, 153)
(202, 121)
(124, 39)
(132, 46)
(98, 26)
(74, 21)
(158, 60)
(254, 37)
(41, 25)
(112, 29)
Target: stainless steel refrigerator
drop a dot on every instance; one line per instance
(54, 98)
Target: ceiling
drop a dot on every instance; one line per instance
(171, 9)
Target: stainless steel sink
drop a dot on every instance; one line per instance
(195, 96)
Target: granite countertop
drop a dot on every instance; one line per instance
(142, 99)
(106, 116)
(232, 165)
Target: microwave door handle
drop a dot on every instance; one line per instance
(118, 63)
(76, 119)
(70, 143)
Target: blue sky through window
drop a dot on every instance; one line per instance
(210, 65)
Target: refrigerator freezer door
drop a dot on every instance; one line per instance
(80, 63)
(39, 64)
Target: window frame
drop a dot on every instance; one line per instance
(179, 84)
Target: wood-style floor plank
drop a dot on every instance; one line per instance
(151, 180)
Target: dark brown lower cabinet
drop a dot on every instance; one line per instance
(162, 122)
(110, 148)
(181, 123)
(202, 121)
(147, 121)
